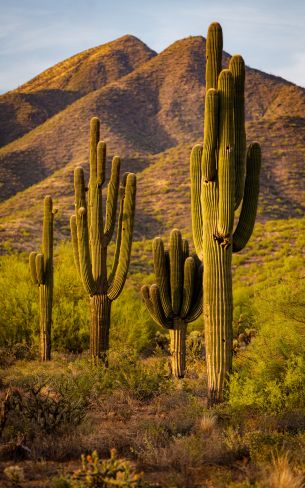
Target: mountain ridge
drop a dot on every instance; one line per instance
(55, 88)
(152, 116)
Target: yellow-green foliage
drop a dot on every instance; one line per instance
(270, 373)
(70, 329)
(18, 304)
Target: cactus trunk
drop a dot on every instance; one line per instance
(45, 307)
(100, 306)
(178, 347)
(217, 306)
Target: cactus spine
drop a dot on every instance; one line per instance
(91, 237)
(176, 298)
(41, 269)
(218, 185)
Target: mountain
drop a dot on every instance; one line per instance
(151, 115)
(31, 104)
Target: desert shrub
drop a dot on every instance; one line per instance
(71, 316)
(195, 345)
(161, 341)
(131, 323)
(281, 474)
(102, 473)
(19, 314)
(285, 392)
(141, 379)
(15, 474)
(270, 373)
(18, 305)
(43, 403)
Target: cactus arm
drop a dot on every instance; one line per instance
(188, 286)
(176, 270)
(95, 209)
(154, 294)
(197, 302)
(210, 136)
(237, 68)
(158, 314)
(32, 265)
(98, 254)
(214, 44)
(82, 232)
(119, 231)
(226, 156)
(112, 198)
(196, 310)
(119, 278)
(147, 301)
(73, 229)
(185, 249)
(247, 217)
(40, 273)
(196, 178)
(47, 233)
(161, 268)
(94, 139)
(101, 162)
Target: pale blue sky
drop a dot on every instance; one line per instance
(34, 34)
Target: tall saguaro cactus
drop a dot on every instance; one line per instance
(91, 235)
(41, 268)
(223, 174)
(176, 299)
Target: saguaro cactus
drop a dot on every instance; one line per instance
(41, 268)
(222, 175)
(176, 299)
(91, 237)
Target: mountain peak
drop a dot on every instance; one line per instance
(151, 111)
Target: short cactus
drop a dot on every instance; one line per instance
(41, 269)
(176, 298)
(222, 175)
(91, 237)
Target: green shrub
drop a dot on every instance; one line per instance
(43, 403)
(18, 304)
(142, 380)
(270, 373)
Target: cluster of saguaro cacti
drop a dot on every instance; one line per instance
(176, 298)
(91, 237)
(223, 174)
(41, 269)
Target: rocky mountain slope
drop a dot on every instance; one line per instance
(151, 111)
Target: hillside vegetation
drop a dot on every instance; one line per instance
(148, 118)
(163, 425)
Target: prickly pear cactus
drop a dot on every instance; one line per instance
(41, 269)
(176, 298)
(92, 232)
(223, 174)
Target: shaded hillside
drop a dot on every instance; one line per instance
(152, 117)
(30, 105)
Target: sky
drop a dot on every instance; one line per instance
(35, 35)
